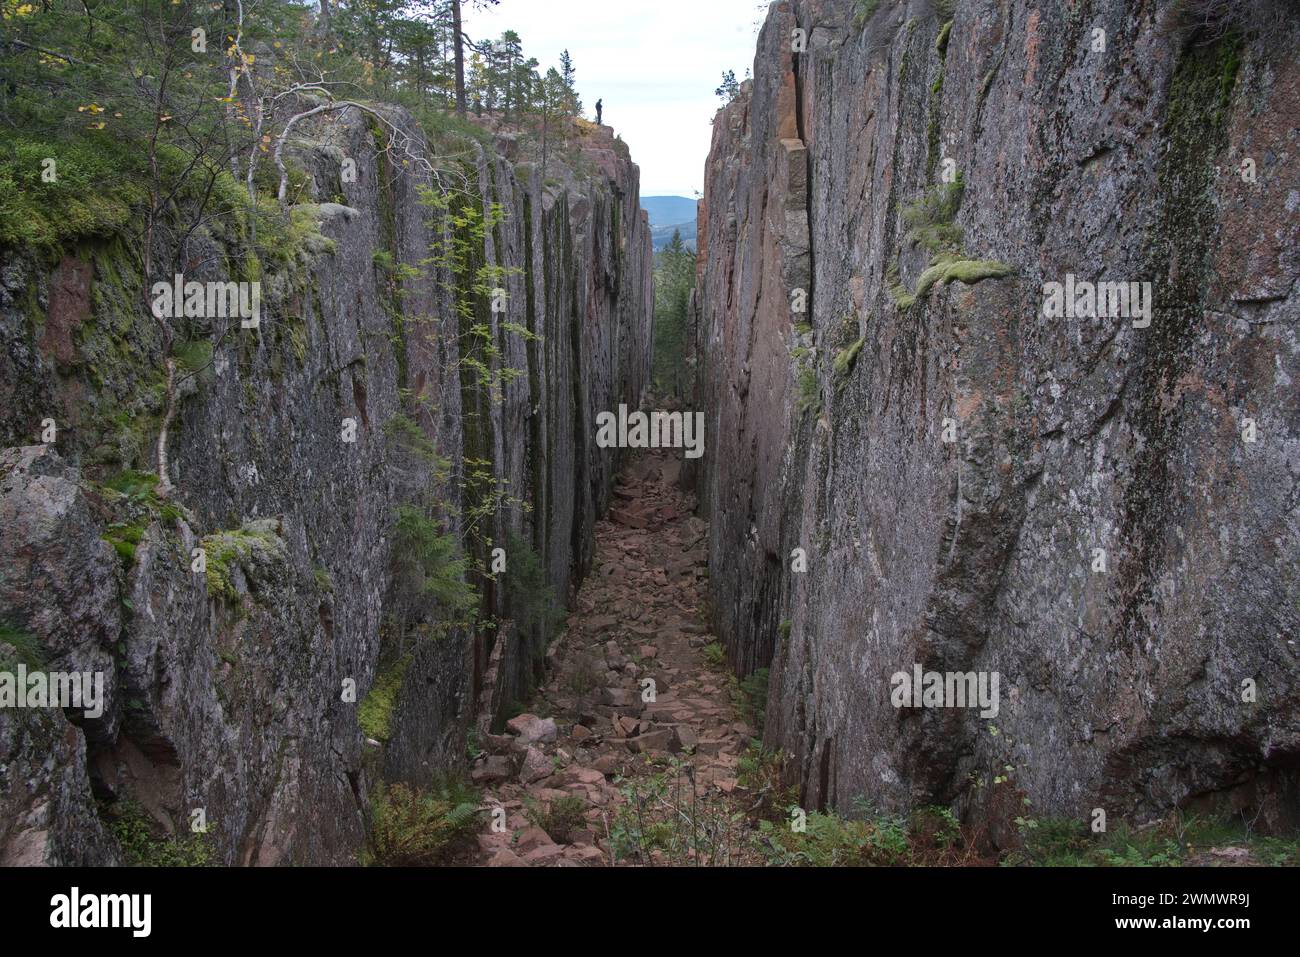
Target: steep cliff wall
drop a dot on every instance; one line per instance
(227, 689)
(951, 460)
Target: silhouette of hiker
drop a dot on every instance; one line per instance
(598, 103)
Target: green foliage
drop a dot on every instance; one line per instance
(143, 844)
(560, 818)
(674, 282)
(93, 194)
(935, 827)
(460, 226)
(136, 486)
(193, 356)
(133, 496)
(1170, 842)
(413, 448)
(762, 774)
(529, 596)
(833, 841)
(375, 710)
(324, 582)
(713, 654)
(19, 647)
(729, 87)
(666, 816)
(1277, 851)
(473, 745)
(753, 698)
(410, 828)
(428, 561)
(124, 538)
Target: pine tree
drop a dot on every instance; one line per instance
(728, 89)
(569, 77)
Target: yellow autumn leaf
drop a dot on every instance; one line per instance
(95, 126)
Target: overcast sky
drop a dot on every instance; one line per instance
(655, 63)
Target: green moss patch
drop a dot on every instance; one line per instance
(251, 548)
(19, 647)
(375, 712)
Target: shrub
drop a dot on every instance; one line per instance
(935, 828)
(762, 774)
(142, 846)
(667, 816)
(832, 841)
(560, 818)
(410, 828)
(428, 560)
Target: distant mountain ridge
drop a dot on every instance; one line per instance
(669, 210)
(669, 213)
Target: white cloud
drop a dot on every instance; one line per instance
(655, 63)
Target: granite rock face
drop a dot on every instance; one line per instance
(1070, 502)
(228, 681)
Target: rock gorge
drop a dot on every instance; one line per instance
(1072, 503)
(227, 688)
(910, 467)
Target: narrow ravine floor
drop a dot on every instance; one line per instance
(593, 735)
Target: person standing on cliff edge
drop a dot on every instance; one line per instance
(598, 103)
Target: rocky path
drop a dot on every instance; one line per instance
(632, 698)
